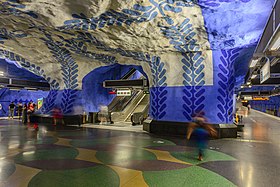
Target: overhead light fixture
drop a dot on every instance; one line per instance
(253, 63)
(254, 76)
(1, 73)
(242, 86)
(16, 89)
(276, 44)
(30, 88)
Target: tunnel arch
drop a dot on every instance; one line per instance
(94, 94)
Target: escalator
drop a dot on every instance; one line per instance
(118, 102)
(133, 101)
(123, 107)
(140, 111)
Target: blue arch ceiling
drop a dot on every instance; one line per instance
(233, 27)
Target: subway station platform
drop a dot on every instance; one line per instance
(89, 156)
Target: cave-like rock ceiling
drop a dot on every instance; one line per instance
(59, 39)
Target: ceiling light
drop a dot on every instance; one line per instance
(276, 45)
(254, 76)
(16, 89)
(253, 63)
(30, 88)
(1, 73)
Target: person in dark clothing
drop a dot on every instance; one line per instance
(19, 107)
(11, 110)
(24, 113)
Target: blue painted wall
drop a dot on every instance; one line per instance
(272, 104)
(182, 103)
(7, 96)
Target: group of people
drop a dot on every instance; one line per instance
(23, 110)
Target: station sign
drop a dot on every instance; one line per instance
(265, 72)
(260, 98)
(248, 98)
(124, 92)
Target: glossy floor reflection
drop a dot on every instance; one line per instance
(71, 156)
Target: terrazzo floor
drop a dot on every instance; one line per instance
(71, 156)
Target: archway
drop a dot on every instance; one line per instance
(95, 95)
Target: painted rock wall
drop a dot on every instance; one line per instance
(187, 48)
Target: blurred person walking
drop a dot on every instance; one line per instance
(30, 110)
(201, 131)
(19, 110)
(24, 113)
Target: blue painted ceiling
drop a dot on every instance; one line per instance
(236, 24)
(11, 70)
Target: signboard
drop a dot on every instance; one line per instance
(248, 98)
(260, 98)
(126, 92)
(40, 102)
(265, 72)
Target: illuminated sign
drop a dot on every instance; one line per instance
(40, 103)
(126, 92)
(260, 98)
(265, 72)
(248, 98)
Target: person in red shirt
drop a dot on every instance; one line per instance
(30, 110)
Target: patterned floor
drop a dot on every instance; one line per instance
(71, 156)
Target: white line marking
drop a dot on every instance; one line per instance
(274, 117)
(253, 120)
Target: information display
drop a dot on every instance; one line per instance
(265, 72)
(40, 102)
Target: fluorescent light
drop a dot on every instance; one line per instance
(1, 73)
(254, 76)
(276, 45)
(253, 63)
(14, 88)
(30, 88)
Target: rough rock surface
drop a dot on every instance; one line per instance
(188, 46)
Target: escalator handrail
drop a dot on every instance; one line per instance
(128, 74)
(126, 103)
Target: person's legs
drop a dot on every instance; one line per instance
(23, 117)
(13, 110)
(10, 113)
(28, 117)
(54, 121)
(19, 114)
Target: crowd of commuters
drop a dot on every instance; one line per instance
(22, 110)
